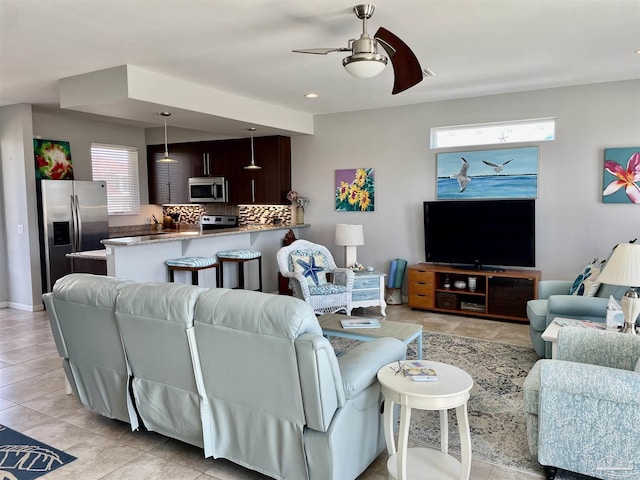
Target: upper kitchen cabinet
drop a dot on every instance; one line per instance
(168, 182)
(209, 159)
(270, 184)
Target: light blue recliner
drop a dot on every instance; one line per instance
(582, 407)
(554, 301)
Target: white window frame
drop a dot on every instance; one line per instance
(495, 133)
(117, 165)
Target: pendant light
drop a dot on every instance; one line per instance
(252, 165)
(166, 158)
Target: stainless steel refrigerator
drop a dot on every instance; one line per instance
(73, 219)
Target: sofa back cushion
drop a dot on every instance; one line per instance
(81, 310)
(154, 320)
(246, 346)
(606, 290)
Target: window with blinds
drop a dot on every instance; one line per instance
(118, 166)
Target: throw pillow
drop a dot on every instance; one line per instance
(312, 267)
(587, 284)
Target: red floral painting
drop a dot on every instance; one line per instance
(53, 159)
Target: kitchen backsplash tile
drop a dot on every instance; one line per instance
(264, 214)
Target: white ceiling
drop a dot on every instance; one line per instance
(243, 48)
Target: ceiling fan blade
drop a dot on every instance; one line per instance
(322, 51)
(406, 68)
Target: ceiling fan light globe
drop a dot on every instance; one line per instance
(364, 65)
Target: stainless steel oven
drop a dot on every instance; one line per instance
(208, 190)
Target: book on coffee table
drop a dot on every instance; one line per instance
(360, 323)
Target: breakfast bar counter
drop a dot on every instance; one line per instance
(142, 258)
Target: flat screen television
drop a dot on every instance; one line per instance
(480, 234)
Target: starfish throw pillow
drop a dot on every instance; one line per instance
(312, 267)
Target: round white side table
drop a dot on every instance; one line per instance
(451, 390)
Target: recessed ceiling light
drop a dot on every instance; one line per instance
(638, 51)
(311, 95)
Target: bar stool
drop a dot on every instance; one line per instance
(240, 257)
(193, 265)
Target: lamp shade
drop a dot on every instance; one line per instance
(349, 235)
(623, 267)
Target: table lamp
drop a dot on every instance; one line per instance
(350, 236)
(623, 268)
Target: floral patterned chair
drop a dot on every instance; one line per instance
(315, 278)
(582, 407)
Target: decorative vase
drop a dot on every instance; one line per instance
(299, 216)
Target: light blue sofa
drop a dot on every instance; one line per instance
(245, 375)
(554, 301)
(582, 407)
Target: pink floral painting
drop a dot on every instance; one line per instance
(53, 159)
(621, 175)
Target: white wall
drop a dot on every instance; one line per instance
(572, 224)
(20, 257)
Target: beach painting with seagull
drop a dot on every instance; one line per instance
(500, 173)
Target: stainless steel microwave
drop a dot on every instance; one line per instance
(208, 190)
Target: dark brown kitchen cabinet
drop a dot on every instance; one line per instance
(208, 159)
(168, 182)
(270, 184)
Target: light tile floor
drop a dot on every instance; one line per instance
(33, 401)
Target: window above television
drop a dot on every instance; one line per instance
(516, 131)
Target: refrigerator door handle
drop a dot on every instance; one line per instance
(77, 224)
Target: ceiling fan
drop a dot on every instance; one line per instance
(366, 62)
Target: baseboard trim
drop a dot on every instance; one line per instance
(22, 306)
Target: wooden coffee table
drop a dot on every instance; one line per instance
(406, 332)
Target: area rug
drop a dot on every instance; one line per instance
(23, 458)
(496, 409)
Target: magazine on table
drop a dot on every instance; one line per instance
(360, 322)
(419, 371)
(570, 322)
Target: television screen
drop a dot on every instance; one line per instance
(480, 233)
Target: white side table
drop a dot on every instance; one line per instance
(450, 391)
(551, 332)
(368, 291)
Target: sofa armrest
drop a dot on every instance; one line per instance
(359, 366)
(608, 349)
(574, 306)
(546, 288)
(577, 379)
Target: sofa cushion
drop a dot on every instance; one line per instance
(586, 283)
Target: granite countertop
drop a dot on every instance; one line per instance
(187, 234)
(90, 255)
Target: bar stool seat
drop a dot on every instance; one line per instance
(240, 256)
(193, 265)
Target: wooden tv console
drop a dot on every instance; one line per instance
(500, 295)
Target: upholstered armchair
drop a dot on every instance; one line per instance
(582, 407)
(315, 278)
(554, 301)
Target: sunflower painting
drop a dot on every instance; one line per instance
(355, 190)
(53, 159)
